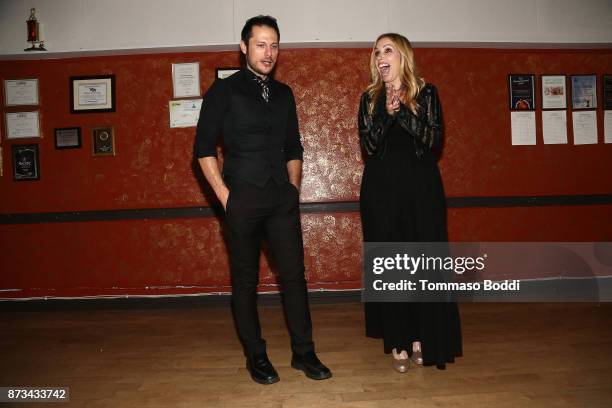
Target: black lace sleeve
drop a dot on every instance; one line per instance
(372, 127)
(432, 112)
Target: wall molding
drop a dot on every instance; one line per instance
(302, 45)
(306, 208)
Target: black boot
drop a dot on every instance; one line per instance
(261, 369)
(310, 364)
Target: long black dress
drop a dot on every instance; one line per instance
(402, 200)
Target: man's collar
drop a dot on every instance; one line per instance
(252, 75)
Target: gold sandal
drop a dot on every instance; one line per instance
(400, 364)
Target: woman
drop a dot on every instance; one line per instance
(402, 199)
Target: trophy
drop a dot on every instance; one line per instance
(33, 33)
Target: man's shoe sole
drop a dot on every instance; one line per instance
(298, 366)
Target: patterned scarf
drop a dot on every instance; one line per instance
(265, 87)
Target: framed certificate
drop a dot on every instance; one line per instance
(25, 162)
(92, 94)
(607, 92)
(103, 141)
(554, 92)
(223, 73)
(18, 92)
(584, 91)
(186, 80)
(522, 91)
(184, 112)
(68, 138)
(22, 125)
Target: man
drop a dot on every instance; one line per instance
(259, 190)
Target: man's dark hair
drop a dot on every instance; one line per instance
(260, 20)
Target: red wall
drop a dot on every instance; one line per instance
(153, 168)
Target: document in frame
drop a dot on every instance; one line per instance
(22, 125)
(93, 94)
(608, 126)
(186, 79)
(185, 113)
(554, 127)
(585, 127)
(21, 91)
(523, 128)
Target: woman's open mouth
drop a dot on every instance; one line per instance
(384, 69)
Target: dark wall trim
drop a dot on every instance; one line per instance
(164, 302)
(306, 208)
(527, 201)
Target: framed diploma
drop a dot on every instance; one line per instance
(68, 138)
(25, 162)
(19, 92)
(584, 91)
(223, 73)
(554, 92)
(22, 125)
(607, 92)
(186, 80)
(185, 112)
(522, 91)
(92, 94)
(103, 141)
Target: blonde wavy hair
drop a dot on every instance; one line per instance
(409, 73)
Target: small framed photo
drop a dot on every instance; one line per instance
(103, 141)
(607, 91)
(25, 162)
(223, 73)
(554, 92)
(68, 138)
(522, 91)
(22, 125)
(90, 94)
(584, 91)
(19, 92)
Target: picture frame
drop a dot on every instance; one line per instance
(22, 125)
(554, 91)
(607, 91)
(224, 72)
(184, 112)
(26, 163)
(186, 80)
(584, 91)
(103, 141)
(521, 89)
(92, 94)
(67, 138)
(21, 92)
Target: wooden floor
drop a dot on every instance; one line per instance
(515, 355)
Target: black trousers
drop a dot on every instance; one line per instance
(271, 212)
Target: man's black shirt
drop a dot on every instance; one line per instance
(260, 137)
